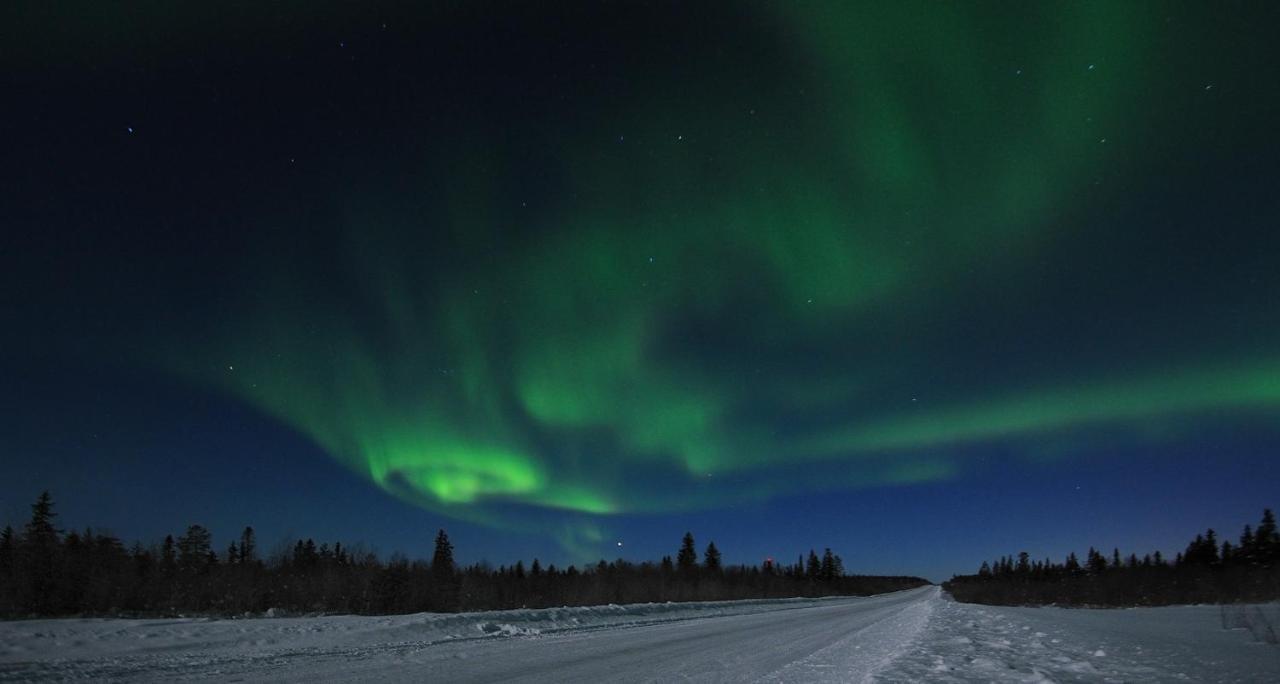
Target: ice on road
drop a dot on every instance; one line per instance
(916, 635)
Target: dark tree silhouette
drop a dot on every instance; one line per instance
(687, 558)
(38, 561)
(442, 565)
(248, 546)
(91, 573)
(827, 571)
(1206, 572)
(711, 559)
(194, 548)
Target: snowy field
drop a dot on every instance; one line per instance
(909, 636)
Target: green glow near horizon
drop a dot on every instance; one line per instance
(580, 363)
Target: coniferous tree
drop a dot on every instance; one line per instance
(442, 565)
(40, 531)
(813, 569)
(194, 548)
(711, 559)
(38, 551)
(1096, 562)
(248, 546)
(446, 589)
(687, 558)
(827, 570)
(1246, 554)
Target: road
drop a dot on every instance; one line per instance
(843, 641)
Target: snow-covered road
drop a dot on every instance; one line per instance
(909, 636)
(851, 638)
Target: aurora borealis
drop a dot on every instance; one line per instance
(552, 272)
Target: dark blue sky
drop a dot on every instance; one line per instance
(926, 285)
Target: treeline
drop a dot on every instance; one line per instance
(1206, 572)
(46, 572)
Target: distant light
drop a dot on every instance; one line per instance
(130, 129)
(619, 543)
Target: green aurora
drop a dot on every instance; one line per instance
(803, 259)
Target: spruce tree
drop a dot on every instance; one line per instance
(711, 559)
(39, 549)
(813, 569)
(1096, 562)
(442, 566)
(40, 532)
(248, 546)
(194, 548)
(687, 558)
(828, 568)
(1246, 553)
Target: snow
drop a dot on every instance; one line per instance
(965, 643)
(907, 636)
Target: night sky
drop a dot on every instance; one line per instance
(925, 283)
